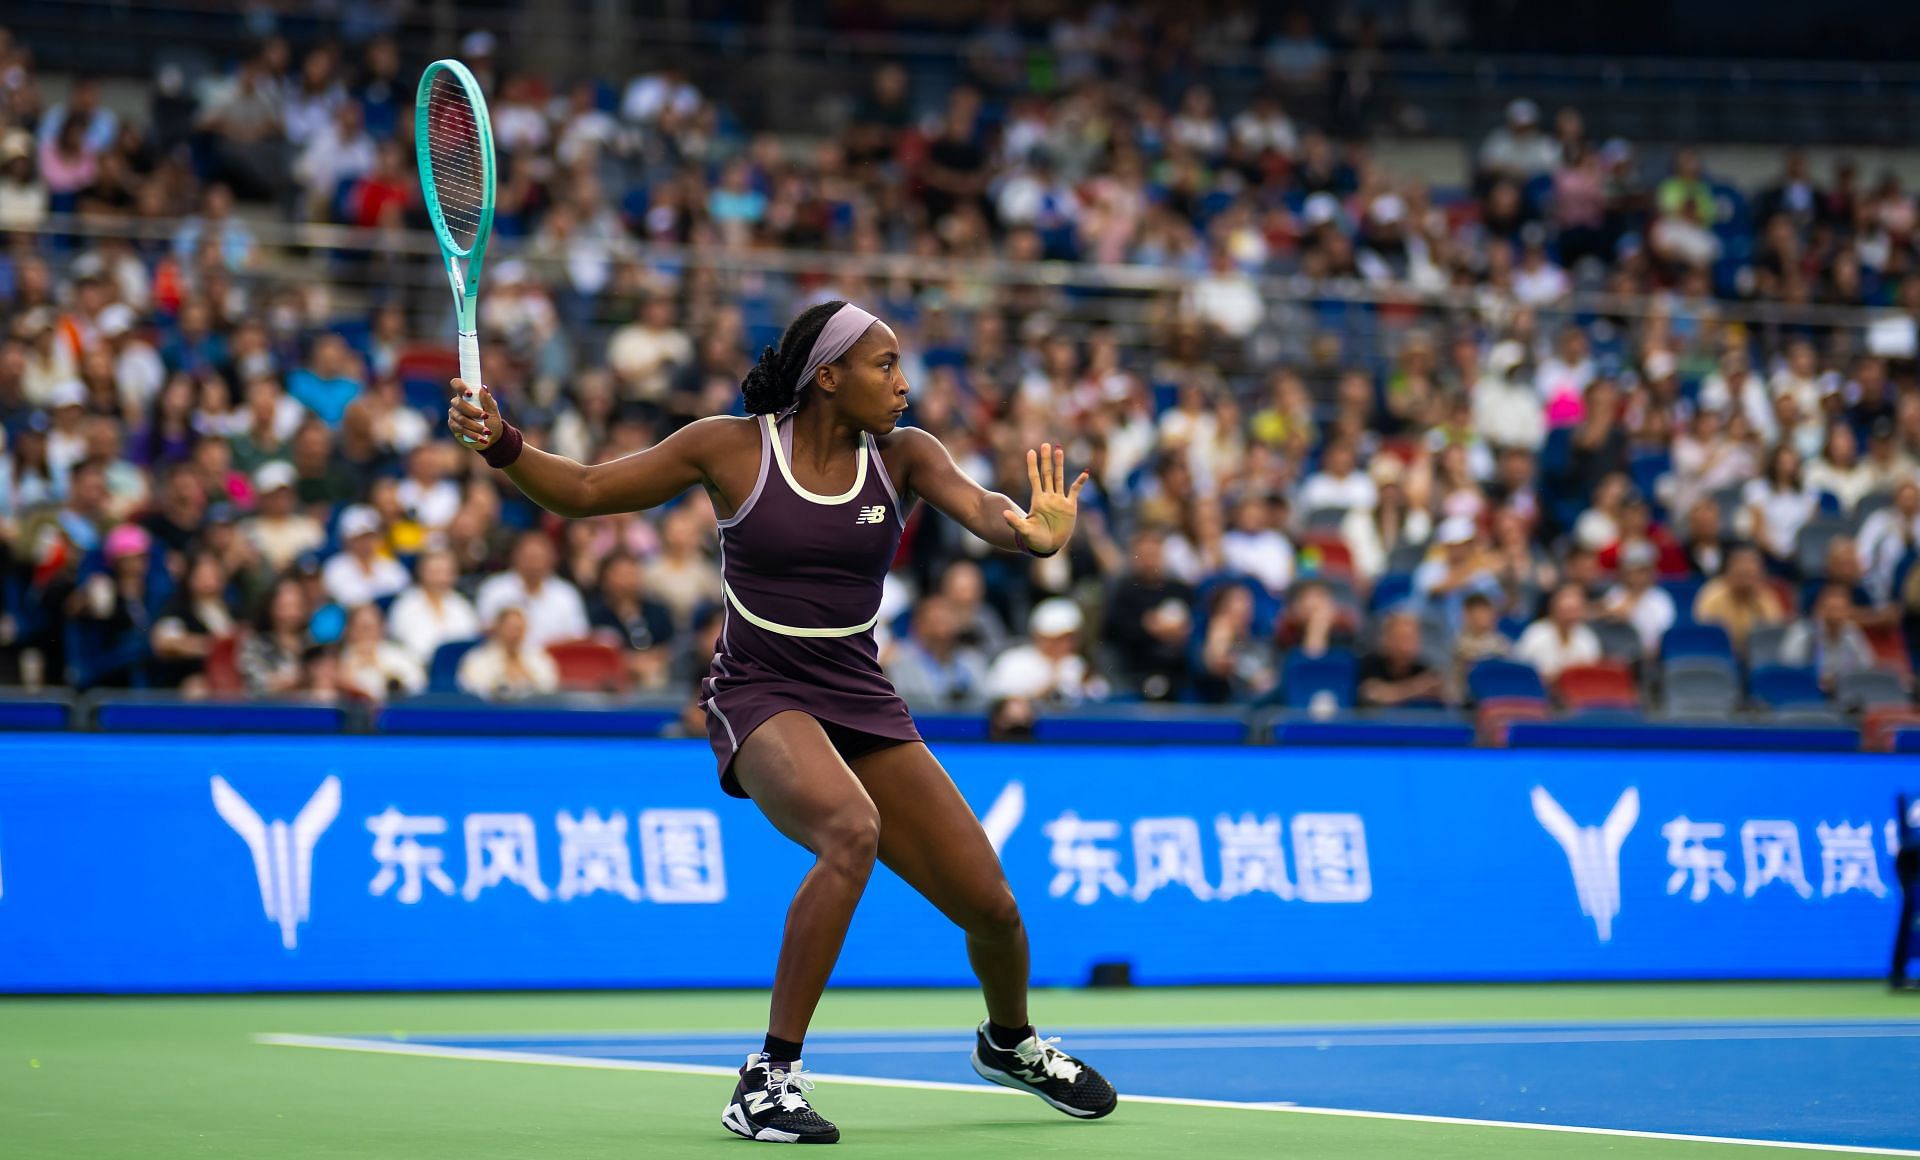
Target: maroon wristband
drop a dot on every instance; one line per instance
(503, 451)
(1020, 542)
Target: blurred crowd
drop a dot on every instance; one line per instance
(219, 475)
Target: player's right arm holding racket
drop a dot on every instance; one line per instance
(634, 482)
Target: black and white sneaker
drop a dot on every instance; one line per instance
(770, 1104)
(1036, 1065)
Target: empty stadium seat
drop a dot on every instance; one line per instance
(1873, 689)
(1780, 687)
(1306, 678)
(1697, 640)
(1808, 714)
(1326, 519)
(1810, 546)
(589, 666)
(1700, 687)
(1618, 642)
(1602, 686)
(1492, 680)
(1764, 645)
(1870, 503)
(1406, 558)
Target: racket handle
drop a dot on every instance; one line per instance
(470, 370)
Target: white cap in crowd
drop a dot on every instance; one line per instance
(274, 475)
(1456, 530)
(359, 520)
(1055, 617)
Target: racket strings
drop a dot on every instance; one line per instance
(453, 152)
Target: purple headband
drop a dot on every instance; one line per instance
(836, 338)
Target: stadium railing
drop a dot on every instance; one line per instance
(592, 715)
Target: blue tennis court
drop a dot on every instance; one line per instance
(1838, 1084)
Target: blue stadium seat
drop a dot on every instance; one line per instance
(446, 666)
(171, 716)
(1497, 680)
(443, 716)
(34, 714)
(1697, 640)
(1781, 687)
(1391, 589)
(1683, 593)
(1646, 468)
(1306, 678)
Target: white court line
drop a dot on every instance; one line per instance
(484, 1055)
(1214, 1033)
(1306, 1040)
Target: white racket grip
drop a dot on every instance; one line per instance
(470, 370)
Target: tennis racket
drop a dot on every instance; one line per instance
(454, 139)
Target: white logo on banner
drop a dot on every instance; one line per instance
(502, 848)
(1080, 864)
(404, 859)
(1250, 856)
(282, 853)
(1691, 857)
(593, 855)
(1593, 853)
(680, 855)
(1772, 850)
(1847, 860)
(1004, 814)
(1330, 858)
(1166, 852)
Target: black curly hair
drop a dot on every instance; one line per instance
(774, 381)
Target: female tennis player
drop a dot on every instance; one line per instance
(813, 490)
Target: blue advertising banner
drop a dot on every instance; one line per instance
(244, 863)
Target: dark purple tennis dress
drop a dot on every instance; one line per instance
(801, 574)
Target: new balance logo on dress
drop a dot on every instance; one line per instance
(871, 514)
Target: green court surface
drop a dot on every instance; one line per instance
(185, 1077)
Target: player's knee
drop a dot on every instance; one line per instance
(995, 917)
(850, 840)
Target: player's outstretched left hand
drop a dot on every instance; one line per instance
(1049, 518)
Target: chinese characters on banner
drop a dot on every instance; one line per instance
(1329, 858)
(681, 859)
(1772, 856)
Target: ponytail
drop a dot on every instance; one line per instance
(773, 383)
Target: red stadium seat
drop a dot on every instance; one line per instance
(434, 362)
(1789, 595)
(1876, 734)
(1496, 716)
(222, 667)
(589, 666)
(1602, 686)
(1890, 648)
(1333, 556)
